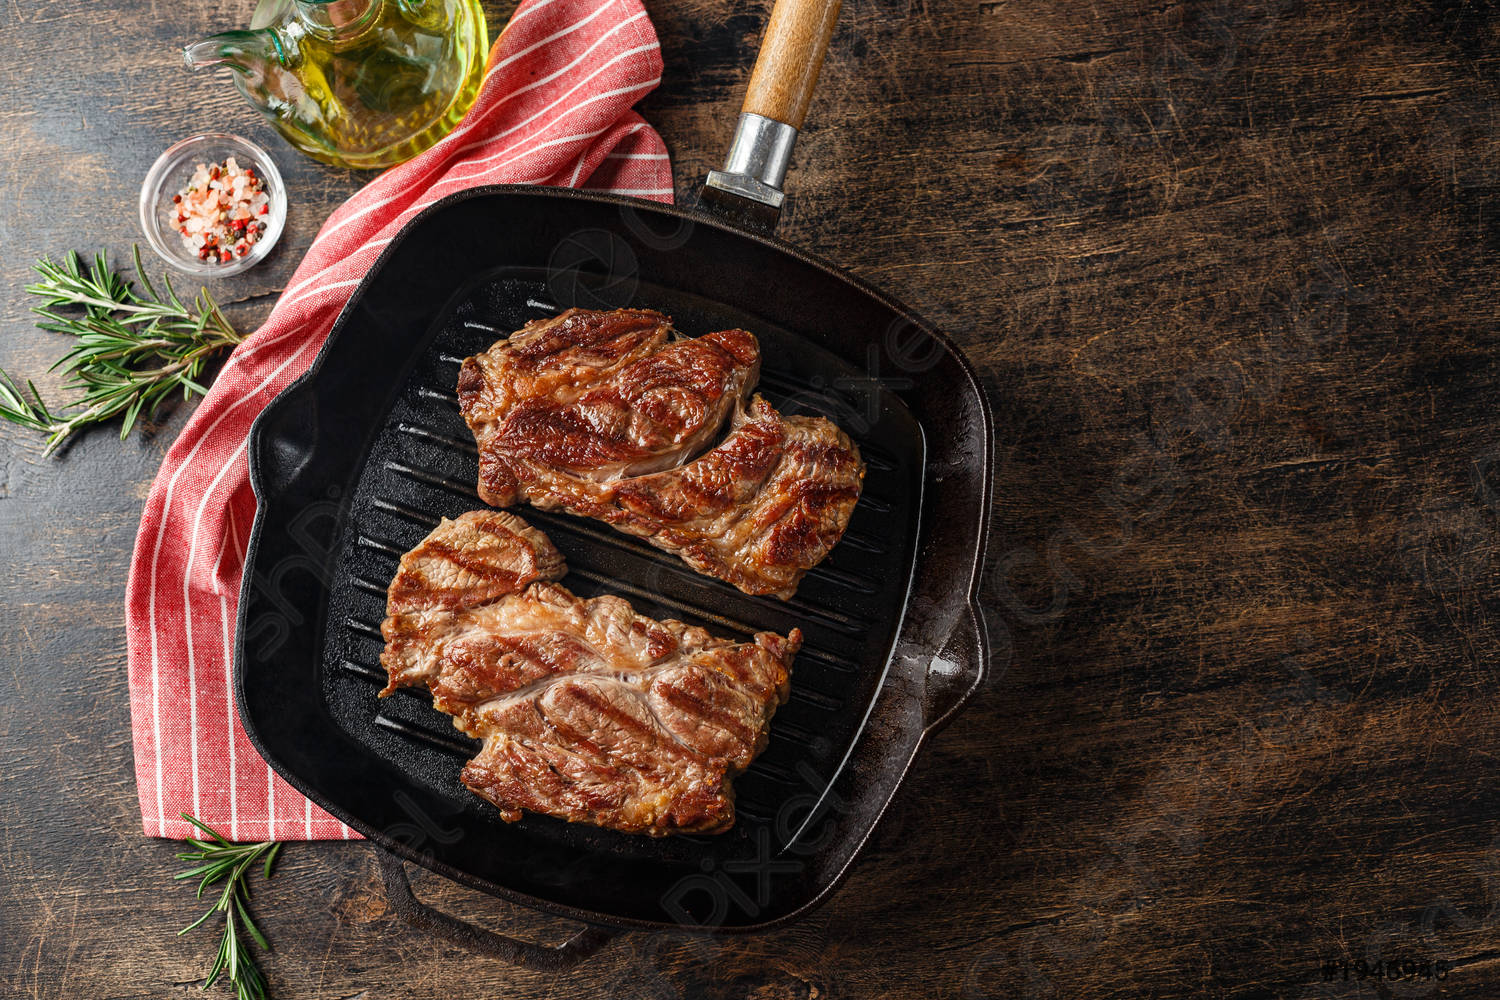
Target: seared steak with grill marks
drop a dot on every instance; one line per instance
(757, 511)
(651, 414)
(557, 358)
(623, 439)
(588, 711)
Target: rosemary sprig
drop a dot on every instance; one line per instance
(231, 863)
(133, 346)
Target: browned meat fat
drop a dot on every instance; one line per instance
(588, 711)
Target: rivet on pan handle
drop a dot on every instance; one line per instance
(479, 940)
(748, 189)
(957, 671)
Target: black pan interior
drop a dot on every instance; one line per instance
(356, 462)
(423, 466)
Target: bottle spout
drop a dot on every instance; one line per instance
(248, 52)
(203, 53)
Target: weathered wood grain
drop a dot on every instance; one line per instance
(1228, 270)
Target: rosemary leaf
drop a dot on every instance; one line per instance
(230, 863)
(132, 347)
(17, 407)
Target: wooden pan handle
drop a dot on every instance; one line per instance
(791, 54)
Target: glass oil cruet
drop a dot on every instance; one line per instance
(357, 83)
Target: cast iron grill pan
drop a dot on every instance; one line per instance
(423, 466)
(357, 461)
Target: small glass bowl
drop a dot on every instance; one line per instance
(170, 174)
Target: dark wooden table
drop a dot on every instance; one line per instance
(1229, 270)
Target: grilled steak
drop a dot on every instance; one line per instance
(651, 414)
(622, 438)
(558, 358)
(757, 511)
(588, 711)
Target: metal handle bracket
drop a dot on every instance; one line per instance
(757, 162)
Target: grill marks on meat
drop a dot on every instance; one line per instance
(467, 563)
(651, 415)
(558, 358)
(600, 396)
(588, 711)
(757, 511)
(623, 438)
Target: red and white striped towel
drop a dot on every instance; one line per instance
(554, 109)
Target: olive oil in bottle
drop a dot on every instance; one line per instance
(359, 83)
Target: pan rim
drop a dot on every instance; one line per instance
(969, 592)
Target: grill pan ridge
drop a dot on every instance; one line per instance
(359, 459)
